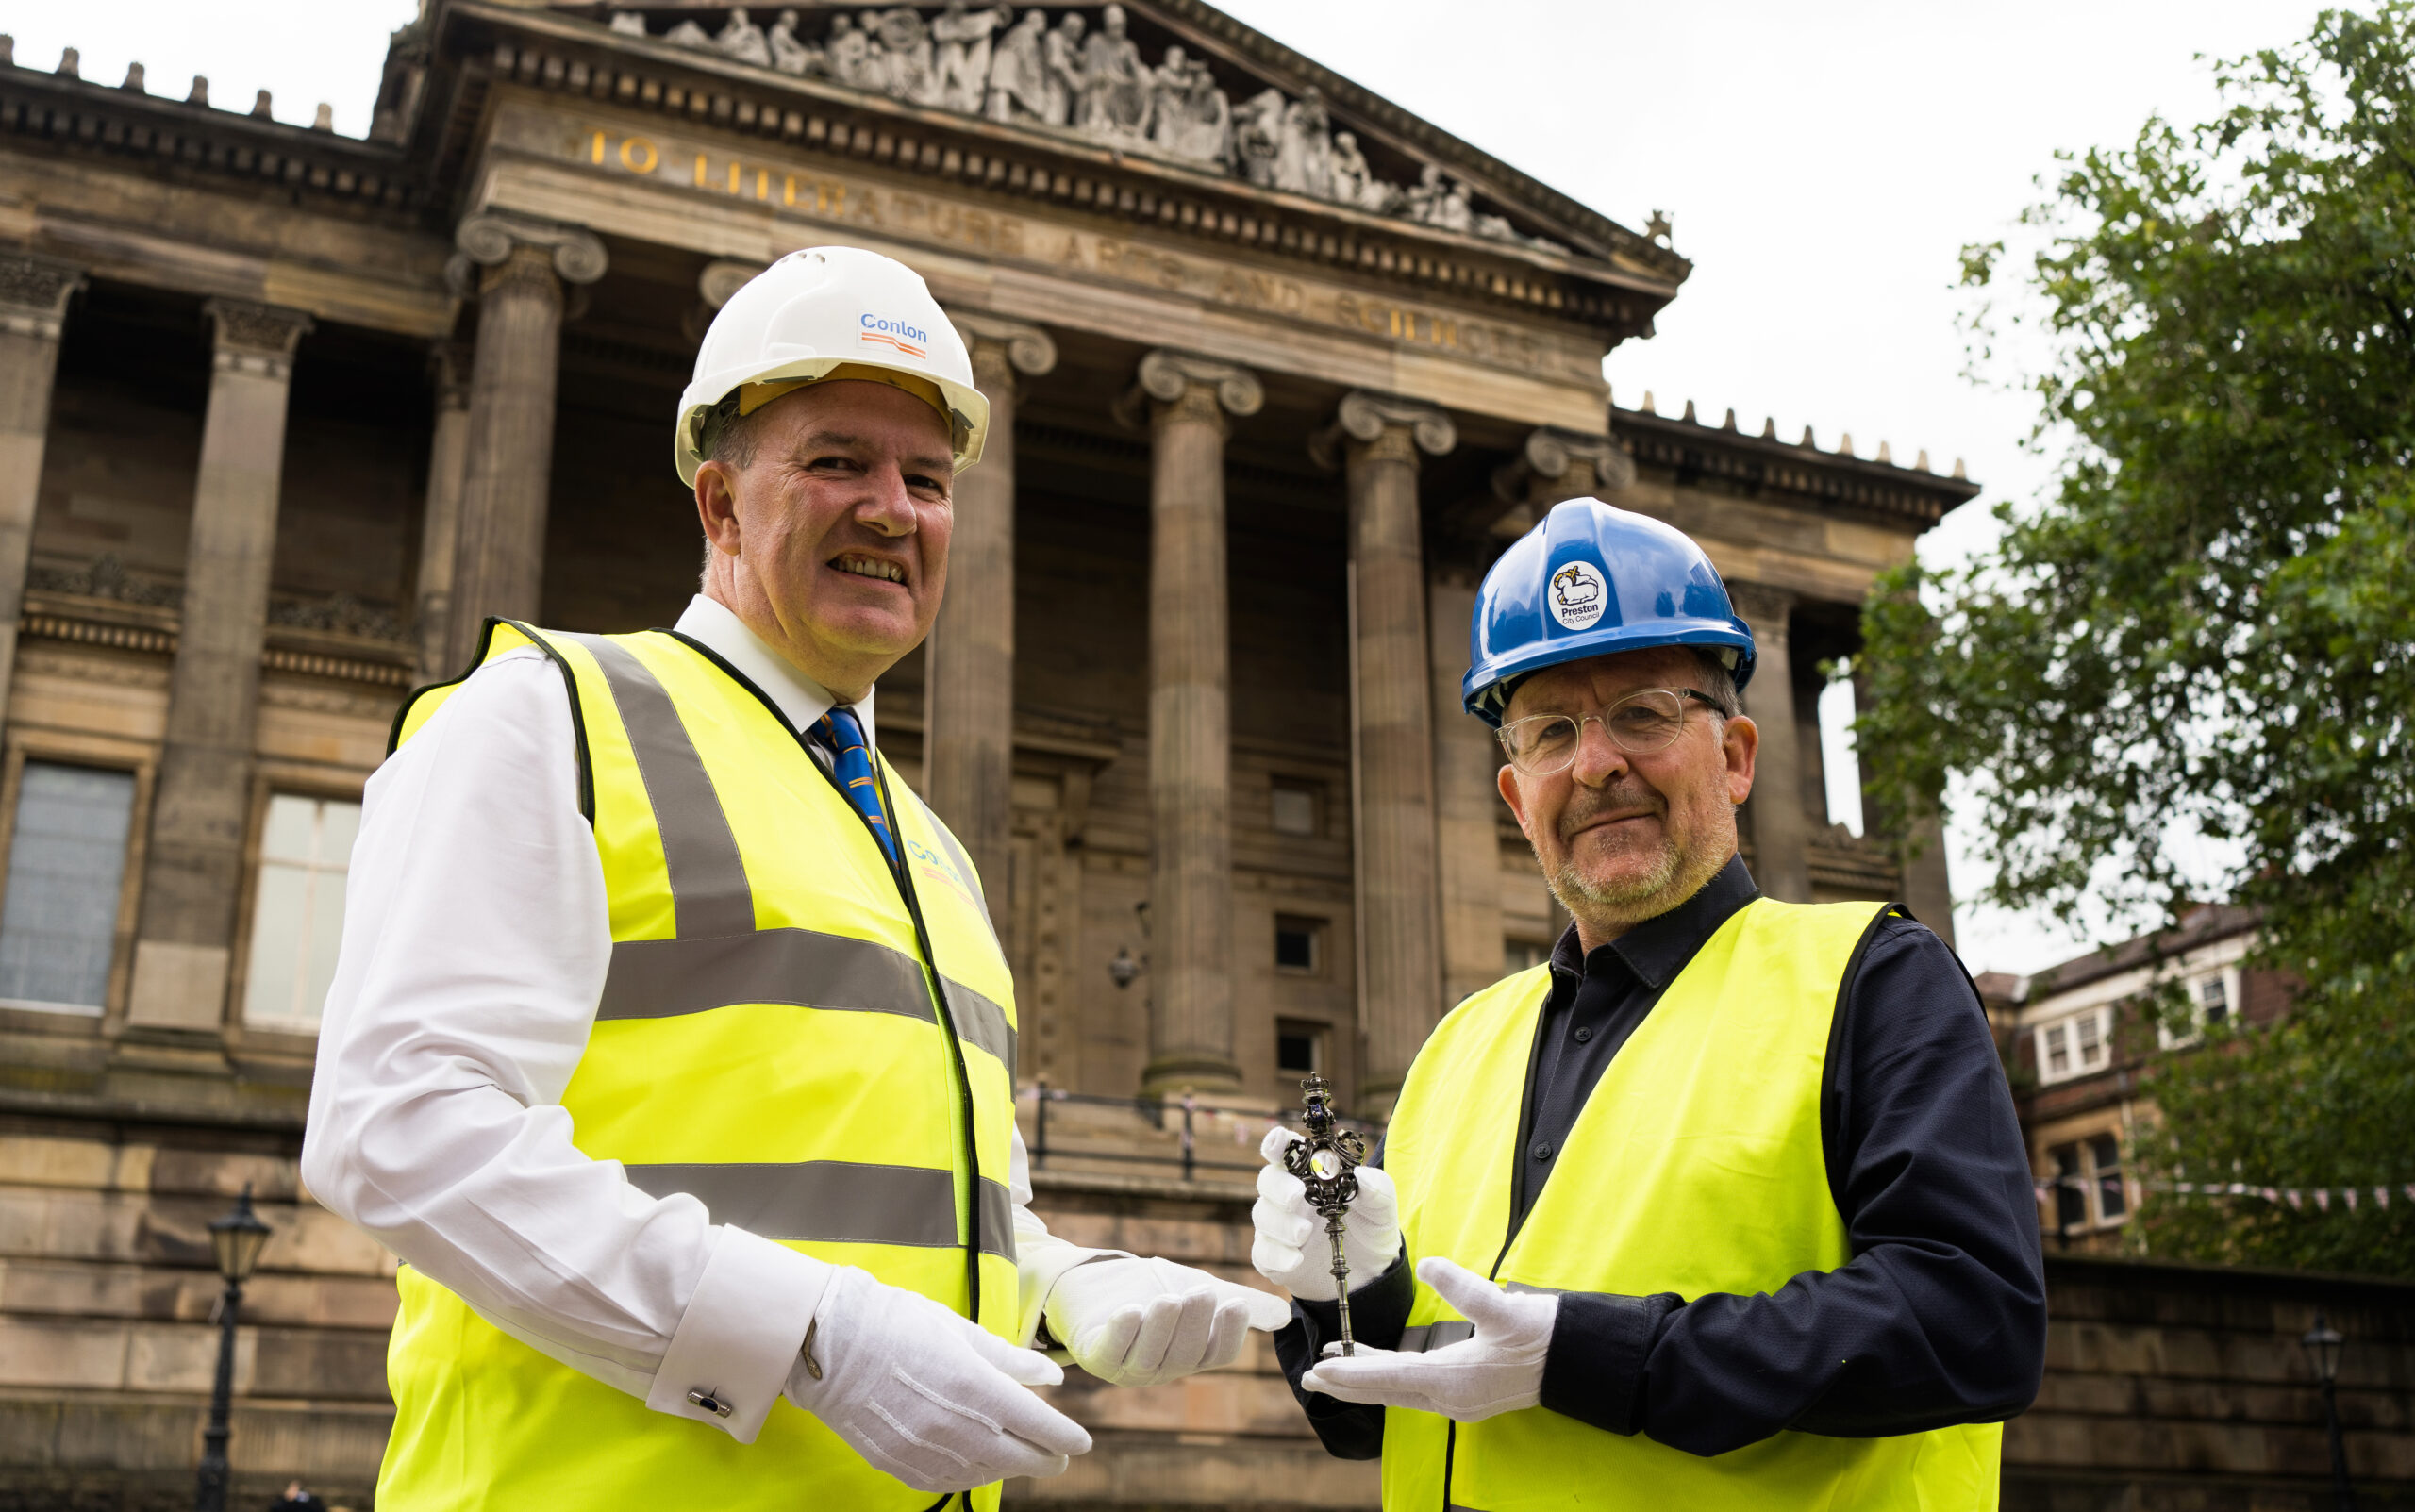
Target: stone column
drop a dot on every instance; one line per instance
(969, 663)
(520, 266)
(1467, 802)
(1781, 827)
(193, 865)
(1552, 465)
(33, 309)
(1190, 755)
(1400, 972)
(440, 531)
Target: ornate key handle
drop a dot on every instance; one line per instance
(1327, 1163)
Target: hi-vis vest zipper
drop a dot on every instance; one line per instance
(817, 1050)
(1696, 1166)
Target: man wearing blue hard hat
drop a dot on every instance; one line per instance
(1726, 1205)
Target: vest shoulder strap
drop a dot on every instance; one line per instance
(497, 637)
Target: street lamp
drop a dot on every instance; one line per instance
(236, 1240)
(2323, 1344)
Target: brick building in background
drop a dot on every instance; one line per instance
(283, 413)
(2078, 1039)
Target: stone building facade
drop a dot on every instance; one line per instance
(1277, 368)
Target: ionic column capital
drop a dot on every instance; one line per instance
(1555, 464)
(1022, 347)
(724, 277)
(1765, 606)
(1382, 427)
(33, 293)
(255, 339)
(490, 238)
(1172, 383)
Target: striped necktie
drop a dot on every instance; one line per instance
(842, 735)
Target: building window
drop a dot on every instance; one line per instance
(66, 874)
(1299, 1047)
(2076, 1045)
(1524, 955)
(2088, 1188)
(297, 909)
(1299, 944)
(2212, 999)
(1294, 808)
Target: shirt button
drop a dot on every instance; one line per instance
(1584, 1031)
(1542, 1149)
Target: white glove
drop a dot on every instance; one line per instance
(1291, 1249)
(1143, 1322)
(929, 1397)
(1500, 1369)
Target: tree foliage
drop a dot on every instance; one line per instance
(2209, 624)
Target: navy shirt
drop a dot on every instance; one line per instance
(1939, 1319)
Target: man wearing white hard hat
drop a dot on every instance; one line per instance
(671, 1047)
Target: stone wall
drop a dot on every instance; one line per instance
(2184, 1388)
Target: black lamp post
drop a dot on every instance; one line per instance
(2323, 1344)
(237, 1240)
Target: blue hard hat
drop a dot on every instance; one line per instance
(1588, 581)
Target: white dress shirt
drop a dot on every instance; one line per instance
(475, 940)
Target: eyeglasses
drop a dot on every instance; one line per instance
(1639, 724)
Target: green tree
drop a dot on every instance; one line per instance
(2209, 624)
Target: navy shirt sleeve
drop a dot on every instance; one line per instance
(1940, 1316)
(1378, 1316)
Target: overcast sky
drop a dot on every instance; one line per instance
(1823, 164)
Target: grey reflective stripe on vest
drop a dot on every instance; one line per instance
(838, 974)
(981, 1021)
(1424, 1337)
(835, 1202)
(717, 958)
(1420, 1337)
(709, 893)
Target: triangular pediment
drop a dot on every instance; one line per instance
(1176, 81)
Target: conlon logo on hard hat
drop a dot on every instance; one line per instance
(881, 331)
(1579, 596)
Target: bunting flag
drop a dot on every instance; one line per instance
(2296, 1197)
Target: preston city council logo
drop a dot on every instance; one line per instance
(1579, 596)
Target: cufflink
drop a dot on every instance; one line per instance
(710, 1403)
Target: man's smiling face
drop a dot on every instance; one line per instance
(1625, 836)
(830, 534)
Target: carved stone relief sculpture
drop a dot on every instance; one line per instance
(1018, 88)
(1115, 97)
(986, 61)
(963, 61)
(791, 55)
(744, 40)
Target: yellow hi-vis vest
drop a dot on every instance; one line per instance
(1695, 1167)
(821, 1056)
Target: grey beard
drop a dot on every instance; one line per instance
(1581, 897)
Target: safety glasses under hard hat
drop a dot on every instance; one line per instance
(1639, 724)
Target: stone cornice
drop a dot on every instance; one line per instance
(150, 133)
(1760, 465)
(482, 44)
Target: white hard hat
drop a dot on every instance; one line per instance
(823, 310)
